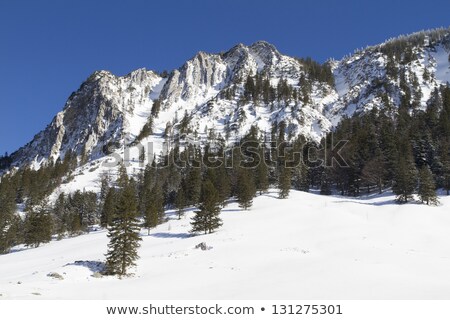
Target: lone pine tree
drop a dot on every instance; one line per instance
(207, 218)
(123, 233)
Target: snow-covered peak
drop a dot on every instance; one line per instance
(95, 117)
(265, 51)
(203, 76)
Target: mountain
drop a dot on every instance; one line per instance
(364, 77)
(100, 114)
(230, 92)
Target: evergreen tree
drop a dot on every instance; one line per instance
(245, 189)
(146, 183)
(109, 208)
(194, 185)
(74, 221)
(180, 201)
(156, 108)
(445, 160)
(405, 178)
(325, 185)
(7, 214)
(105, 185)
(262, 173)
(123, 234)
(373, 173)
(427, 188)
(222, 184)
(11, 235)
(85, 205)
(154, 208)
(38, 227)
(60, 213)
(122, 176)
(284, 183)
(207, 218)
(249, 89)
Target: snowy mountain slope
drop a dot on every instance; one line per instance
(107, 113)
(305, 247)
(197, 86)
(101, 113)
(107, 108)
(362, 78)
(439, 59)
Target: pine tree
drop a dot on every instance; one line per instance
(249, 89)
(109, 208)
(262, 173)
(38, 227)
(222, 184)
(325, 183)
(405, 178)
(300, 177)
(180, 201)
(284, 183)
(154, 208)
(85, 205)
(245, 188)
(373, 173)
(194, 185)
(122, 176)
(60, 213)
(123, 234)
(7, 208)
(105, 185)
(207, 218)
(427, 188)
(445, 160)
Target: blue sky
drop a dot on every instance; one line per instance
(47, 48)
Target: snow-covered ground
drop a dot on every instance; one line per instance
(442, 64)
(305, 247)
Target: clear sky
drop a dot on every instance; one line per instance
(47, 48)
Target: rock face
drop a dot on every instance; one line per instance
(108, 111)
(201, 89)
(205, 74)
(96, 117)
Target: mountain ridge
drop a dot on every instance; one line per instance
(108, 108)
